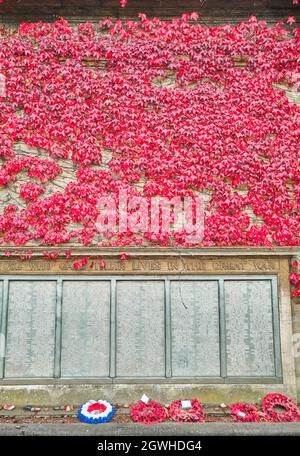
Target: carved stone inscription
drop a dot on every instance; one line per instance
(249, 330)
(195, 328)
(31, 329)
(140, 329)
(85, 329)
(135, 265)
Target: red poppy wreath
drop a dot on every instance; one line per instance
(149, 414)
(279, 400)
(244, 413)
(194, 414)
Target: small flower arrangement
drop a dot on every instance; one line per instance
(151, 413)
(194, 414)
(244, 413)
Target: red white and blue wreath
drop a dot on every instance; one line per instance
(95, 412)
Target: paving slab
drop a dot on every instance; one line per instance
(168, 429)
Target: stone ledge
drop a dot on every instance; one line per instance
(157, 251)
(132, 429)
(53, 395)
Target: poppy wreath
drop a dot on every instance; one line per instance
(95, 412)
(152, 413)
(276, 399)
(194, 414)
(244, 413)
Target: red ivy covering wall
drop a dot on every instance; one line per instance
(220, 129)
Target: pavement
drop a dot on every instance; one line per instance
(168, 429)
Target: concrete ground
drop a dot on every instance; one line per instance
(168, 429)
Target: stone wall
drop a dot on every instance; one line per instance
(157, 263)
(213, 11)
(296, 331)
